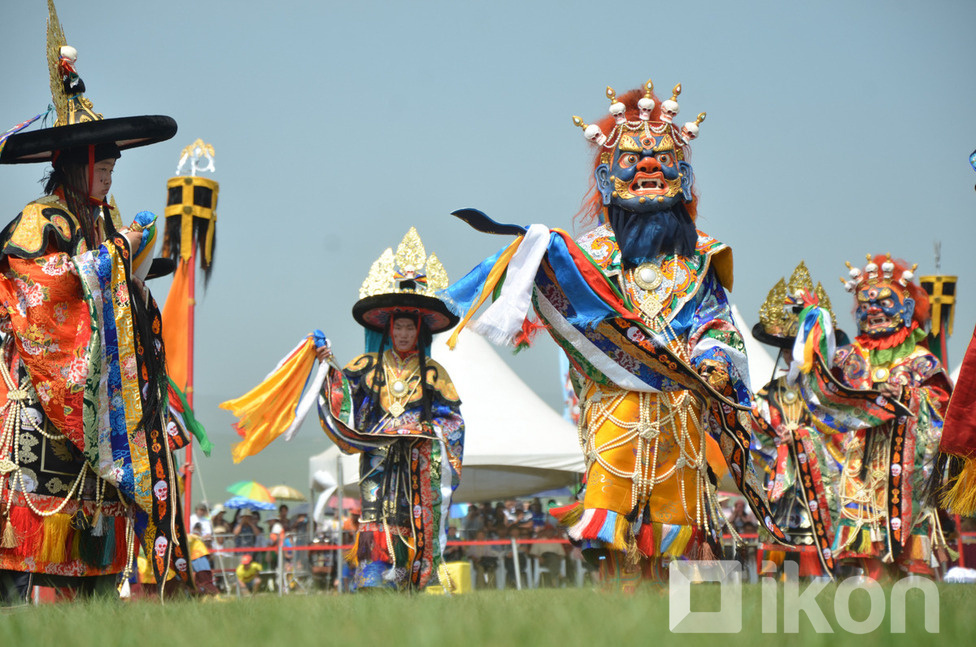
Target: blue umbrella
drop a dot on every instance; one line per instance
(239, 502)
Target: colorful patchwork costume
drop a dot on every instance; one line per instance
(638, 305)
(889, 392)
(85, 452)
(803, 463)
(399, 410)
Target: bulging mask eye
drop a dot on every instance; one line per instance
(627, 160)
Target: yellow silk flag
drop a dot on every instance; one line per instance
(176, 314)
(268, 410)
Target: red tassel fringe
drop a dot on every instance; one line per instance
(645, 539)
(29, 530)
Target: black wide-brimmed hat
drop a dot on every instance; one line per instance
(406, 283)
(375, 312)
(77, 125)
(125, 132)
(784, 341)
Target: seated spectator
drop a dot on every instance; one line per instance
(249, 574)
(524, 520)
(548, 555)
(452, 553)
(510, 513)
(499, 519)
(538, 514)
(484, 559)
(472, 522)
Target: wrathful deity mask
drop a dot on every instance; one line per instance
(642, 167)
(883, 292)
(646, 174)
(882, 309)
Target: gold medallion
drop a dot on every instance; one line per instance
(396, 409)
(648, 276)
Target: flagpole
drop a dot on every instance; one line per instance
(191, 307)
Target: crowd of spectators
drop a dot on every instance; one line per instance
(507, 520)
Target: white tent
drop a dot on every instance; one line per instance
(761, 363)
(515, 444)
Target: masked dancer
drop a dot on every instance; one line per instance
(638, 304)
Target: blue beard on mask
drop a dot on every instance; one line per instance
(642, 236)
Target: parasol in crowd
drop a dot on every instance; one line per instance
(286, 493)
(239, 502)
(251, 490)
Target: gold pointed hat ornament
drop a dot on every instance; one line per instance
(77, 125)
(778, 315)
(405, 282)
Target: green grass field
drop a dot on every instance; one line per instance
(539, 618)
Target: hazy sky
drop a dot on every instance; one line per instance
(834, 129)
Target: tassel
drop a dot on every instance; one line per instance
(74, 540)
(667, 534)
(680, 543)
(120, 527)
(576, 530)
(9, 539)
(27, 529)
(645, 540)
(706, 553)
(864, 543)
(592, 529)
(961, 498)
(55, 542)
(107, 541)
(98, 523)
(568, 515)
(351, 556)
(607, 529)
(631, 553)
(622, 538)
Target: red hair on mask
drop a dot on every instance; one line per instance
(592, 207)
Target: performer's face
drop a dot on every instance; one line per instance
(645, 175)
(882, 310)
(102, 178)
(404, 335)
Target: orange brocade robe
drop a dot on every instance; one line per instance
(71, 392)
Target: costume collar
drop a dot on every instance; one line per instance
(883, 351)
